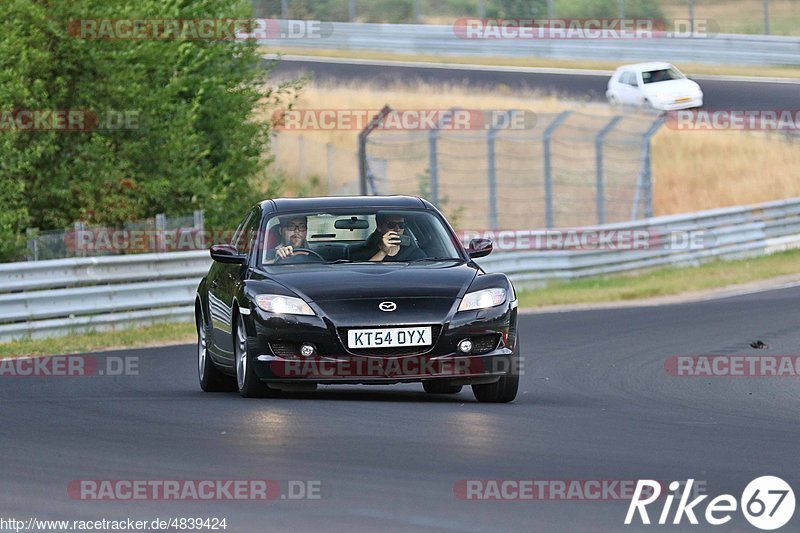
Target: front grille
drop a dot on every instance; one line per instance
(391, 352)
(485, 343)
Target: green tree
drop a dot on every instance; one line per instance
(193, 140)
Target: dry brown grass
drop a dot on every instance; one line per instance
(696, 170)
(740, 16)
(691, 170)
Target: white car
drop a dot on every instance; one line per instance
(657, 85)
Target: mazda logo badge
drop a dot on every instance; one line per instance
(387, 306)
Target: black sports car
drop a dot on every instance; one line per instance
(373, 290)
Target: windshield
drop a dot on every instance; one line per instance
(666, 74)
(336, 237)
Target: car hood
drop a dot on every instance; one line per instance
(359, 281)
(671, 88)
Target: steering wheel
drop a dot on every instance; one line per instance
(294, 256)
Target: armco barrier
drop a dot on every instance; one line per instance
(62, 296)
(735, 232)
(45, 298)
(433, 39)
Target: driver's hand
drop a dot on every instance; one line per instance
(282, 252)
(390, 243)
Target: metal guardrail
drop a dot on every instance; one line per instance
(64, 296)
(431, 39)
(734, 232)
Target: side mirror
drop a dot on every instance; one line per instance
(226, 253)
(479, 248)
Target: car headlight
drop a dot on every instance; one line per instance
(284, 305)
(482, 299)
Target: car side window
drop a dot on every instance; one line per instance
(246, 233)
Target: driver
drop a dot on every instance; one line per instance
(293, 235)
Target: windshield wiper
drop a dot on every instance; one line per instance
(459, 259)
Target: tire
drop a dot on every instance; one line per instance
(247, 382)
(440, 387)
(505, 389)
(211, 378)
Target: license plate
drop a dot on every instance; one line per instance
(389, 337)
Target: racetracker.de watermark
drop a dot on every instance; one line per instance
(194, 489)
(68, 120)
(69, 366)
(733, 365)
(347, 367)
(197, 29)
(104, 240)
(734, 119)
(403, 119)
(551, 489)
(588, 239)
(582, 28)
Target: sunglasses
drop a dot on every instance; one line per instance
(395, 225)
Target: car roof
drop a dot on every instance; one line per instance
(284, 205)
(652, 65)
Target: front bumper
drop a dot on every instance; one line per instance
(334, 364)
(456, 369)
(677, 104)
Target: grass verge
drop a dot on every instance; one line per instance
(690, 69)
(661, 282)
(138, 337)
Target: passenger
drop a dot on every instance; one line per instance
(384, 243)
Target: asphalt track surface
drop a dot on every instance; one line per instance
(595, 403)
(718, 94)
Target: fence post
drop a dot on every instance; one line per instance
(161, 226)
(490, 159)
(33, 244)
(548, 170)
(199, 226)
(301, 170)
(79, 228)
(644, 185)
(363, 168)
(433, 153)
(598, 154)
(329, 165)
(433, 165)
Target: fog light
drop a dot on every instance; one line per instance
(465, 346)
(307, 350)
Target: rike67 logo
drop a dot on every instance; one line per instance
(767, 503)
